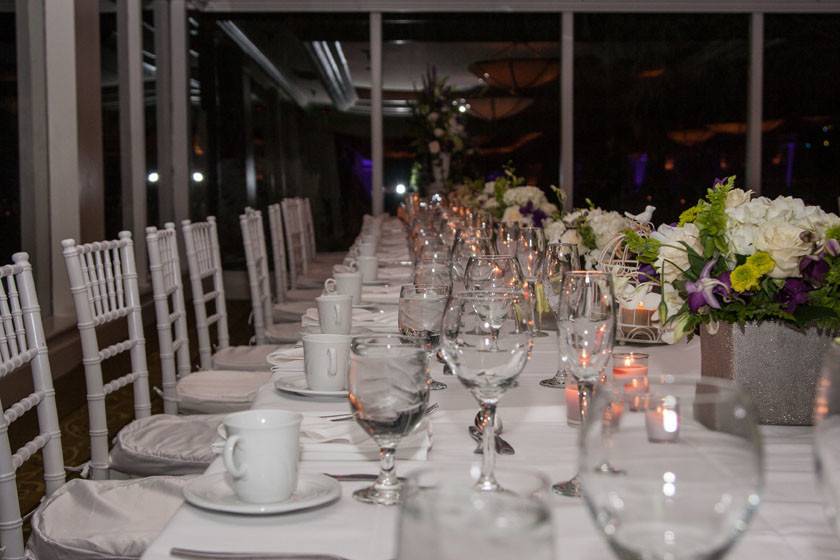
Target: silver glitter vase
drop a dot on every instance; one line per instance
(776, 365)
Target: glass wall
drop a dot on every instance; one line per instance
(801, 144)
(10, 240)
(660, 108)
(111, 172)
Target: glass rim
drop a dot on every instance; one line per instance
(724, 389)
(641, 355)
(492, 257)
(441, 470)
(472, 295)
(387, 340)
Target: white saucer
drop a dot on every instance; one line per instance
(367, 306)
(213, 491)
(376, 282)
(354, 330)
(296, 383)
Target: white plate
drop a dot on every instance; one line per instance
(376, 282)
(367, 306)
(354, 330)
(213, 491)
(296, 383)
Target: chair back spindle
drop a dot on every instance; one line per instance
(259, 281)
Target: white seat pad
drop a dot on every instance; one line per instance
(303, 294)
(291, 311)
(166, 444)
(104, 519)
(283, 333)
(244, 358)
(218, 391)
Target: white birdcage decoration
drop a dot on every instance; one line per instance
(638, 298)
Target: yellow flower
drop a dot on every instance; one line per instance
(744, 278)
(689, 215)
(762, 262)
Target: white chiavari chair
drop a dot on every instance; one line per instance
(206, 391)
(103, 281)
(324, 259)
(259, 282)
(296, 246)
(278, 255)
(83, 518)
(204, 261)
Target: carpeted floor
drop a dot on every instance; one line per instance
(74, 419)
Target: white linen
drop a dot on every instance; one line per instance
(379, 320)
(386, 295)
(244, 358)
(283, 355)
(395, 273)
(219, 391)
(789, 524)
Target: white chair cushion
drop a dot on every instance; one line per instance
(291, 311)
(304, 282)
(303, 295)
(283, 333)
(219, 391)
(104, 519)
(244, 358)
(166, 444)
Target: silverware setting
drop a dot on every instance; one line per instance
(216, 555)
(351, 415)
(356, 477)
(476, 432)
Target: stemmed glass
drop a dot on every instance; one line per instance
(585, 337)
(493, 272)
(507, 235)
(530, 251)
(680, 476)
(827, 433)
(487, 340)
(388, 391)
(560, 258)
(420, 315)
(433, 270)
(468, 243)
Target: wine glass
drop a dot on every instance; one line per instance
(487, 339)
(420, 315)
(530, 251)
(433, 270)
(446, 518)
(585, 337)
(493, 272)
(827, 433)
(468, 243)
(507, 235)
(388, 391)
(679, 477)
(560, 258)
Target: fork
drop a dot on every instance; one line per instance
(350, 416)
(218, 555)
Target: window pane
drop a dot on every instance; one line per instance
(10, 241)
(660, 108)
(149, 77)
(801, 145)
(111, 173)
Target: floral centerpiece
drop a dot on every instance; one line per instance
(737, 264)
(440, 134)
(591, 229)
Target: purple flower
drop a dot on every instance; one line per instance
(813, 269)
(724, 289)
(832, 247)
(793, 294)
(701, 292)
(537, 215)
(647, 273)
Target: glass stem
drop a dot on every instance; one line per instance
(584, 398)
(487, 481)
(532, 286)
(387, 467)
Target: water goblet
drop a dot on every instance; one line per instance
(507, 236)
(487, 340)
(445, 517)
(585, 337)
(560, 258)
(388, 390)
(420, 315)
(827, 433)
(679, 478)
(468, 243)
(493, 272)
(433, 270)
(530, 252)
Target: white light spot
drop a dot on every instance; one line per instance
(198, 176)
(153, 177)
(399, 189)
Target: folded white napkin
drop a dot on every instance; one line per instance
(395, 273)
(283, 355)
(378, 320)
(382, 294)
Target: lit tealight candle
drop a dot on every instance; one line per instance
(630, 365)
(662, 420)
(572, 403)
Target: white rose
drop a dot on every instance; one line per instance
(737, 197)
(489, 187)
(606, 226)
(548, 208)
(438, 132)
(673, 257)
(571, 236)
(782, 241)
(520, 196)
(512, 215)
(433, 117)
(741, 238)
(753, 212)
(434, 147)
(490, 204)
(554, 231)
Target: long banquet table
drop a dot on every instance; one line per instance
(789, 525)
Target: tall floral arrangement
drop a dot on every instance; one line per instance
(736, 258)
(440, 133)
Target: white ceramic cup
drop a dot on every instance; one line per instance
(367, 249)
(261, 454)
(335, 313)
(368, 267)
(326, 358)
(345, 283)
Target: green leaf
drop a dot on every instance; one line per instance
(809, 314)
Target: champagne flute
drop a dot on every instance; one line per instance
(487, 340)
(585, 337)
(530, 251)
(560, 258)
(420, 315)
(493, 272)
(388, 390)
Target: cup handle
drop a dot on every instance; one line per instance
(332, 369)
(353, 265)
(329, 285)
(227, 457)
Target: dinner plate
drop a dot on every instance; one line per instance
(296, 383)
(214, 492)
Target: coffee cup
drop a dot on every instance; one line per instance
(368, 267)
(335, 313)
(367, 249)
(345, 283)
(261, 454)
(326, 358)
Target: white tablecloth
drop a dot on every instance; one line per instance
(790, 523)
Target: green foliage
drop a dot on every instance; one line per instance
(645, 248)
(833, 232)
(587, 235)
(690, 215)
(710, 218)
